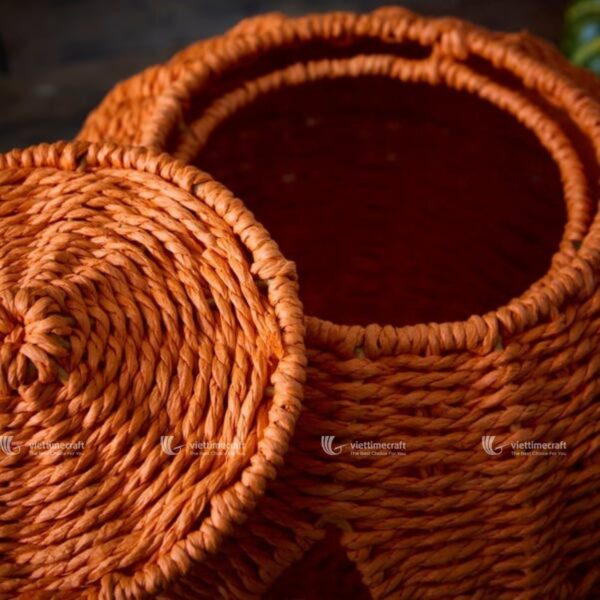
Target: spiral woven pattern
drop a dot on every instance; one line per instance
(445, 519)
(150, 326)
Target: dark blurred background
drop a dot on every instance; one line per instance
(59, 57)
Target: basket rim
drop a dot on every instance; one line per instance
(238, 498)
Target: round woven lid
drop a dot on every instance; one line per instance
(151, 368)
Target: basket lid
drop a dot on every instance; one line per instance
(151, 367)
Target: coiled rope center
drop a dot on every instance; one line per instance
(36, 338)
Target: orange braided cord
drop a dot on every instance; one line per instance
(138, 299)
(444, 520)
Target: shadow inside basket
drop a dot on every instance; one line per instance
(401, 203)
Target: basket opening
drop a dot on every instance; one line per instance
(400, 203)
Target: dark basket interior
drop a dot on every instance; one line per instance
(400, 203)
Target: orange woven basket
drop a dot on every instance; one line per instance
(151, 369)
(421, 172)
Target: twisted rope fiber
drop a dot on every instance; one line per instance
(138, 298)
(445, 520)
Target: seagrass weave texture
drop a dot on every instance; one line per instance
(445, 519)
(138, 299)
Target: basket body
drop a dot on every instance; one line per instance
(450, 514)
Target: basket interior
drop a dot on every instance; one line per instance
(400, 203)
